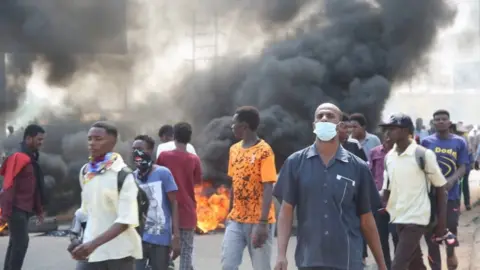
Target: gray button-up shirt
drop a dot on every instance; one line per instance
(329, 201)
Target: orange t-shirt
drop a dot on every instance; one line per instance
(250, 168)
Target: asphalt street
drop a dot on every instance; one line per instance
(49, 253)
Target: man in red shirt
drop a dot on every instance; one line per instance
(186, 171)
(22, 194)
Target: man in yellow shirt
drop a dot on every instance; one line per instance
(251, 219)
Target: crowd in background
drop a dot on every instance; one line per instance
(350, 188)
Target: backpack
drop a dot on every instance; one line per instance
(432, 195)
(142, 199)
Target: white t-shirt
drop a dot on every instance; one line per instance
(103, 205)
(169, 146)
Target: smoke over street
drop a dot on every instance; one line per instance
(344, 51)
(347, 52)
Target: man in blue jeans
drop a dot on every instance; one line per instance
(252, 168)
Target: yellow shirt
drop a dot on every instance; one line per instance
(104, 205)
(409, 202)
(250, 168)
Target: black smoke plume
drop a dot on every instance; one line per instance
(53, 31)
(346, 52)
(343, 51)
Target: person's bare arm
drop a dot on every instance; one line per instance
(284, 228)
(370, 233)
(364, 211)
(230, 206)
(463, 160)
(266, 201)
(455, 177)
(287, 189)
(172, 198)
(437, 181)
(115, 230)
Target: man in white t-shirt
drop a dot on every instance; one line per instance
(165, 133)
(110, 240)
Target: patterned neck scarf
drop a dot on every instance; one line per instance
(95, 167)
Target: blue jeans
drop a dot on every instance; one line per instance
(238, 237)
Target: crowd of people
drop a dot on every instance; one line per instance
(350, 190)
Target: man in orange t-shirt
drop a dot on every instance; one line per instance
(252, 169)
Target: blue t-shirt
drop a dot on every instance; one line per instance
(158, 226)
(451, 153)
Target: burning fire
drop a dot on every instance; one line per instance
(212, 206)
(4, 226)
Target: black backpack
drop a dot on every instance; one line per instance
(432, 194)
(142, 198)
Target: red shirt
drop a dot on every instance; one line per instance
(22, 193)
(186, 171)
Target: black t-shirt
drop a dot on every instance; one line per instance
(353, 148)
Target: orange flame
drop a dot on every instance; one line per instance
(4, 226)
(212, 206)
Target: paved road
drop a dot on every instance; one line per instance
(49, 253)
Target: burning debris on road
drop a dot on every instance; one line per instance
(212, 207)
(4, 227)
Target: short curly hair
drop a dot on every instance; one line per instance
(249, 115)
(360, 118)
(182, 132)
(149, 141)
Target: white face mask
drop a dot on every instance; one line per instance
(325, 131)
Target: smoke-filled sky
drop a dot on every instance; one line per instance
(284, 57)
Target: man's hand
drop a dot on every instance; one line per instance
(40, 219)
(449, 185)
(259, 235)
(282, 263)
(440, 231)
(73, 244)
(83, 251)
(175, 247)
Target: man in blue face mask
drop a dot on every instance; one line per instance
(330, 189)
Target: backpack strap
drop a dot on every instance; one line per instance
(82, 173)
(122, 174)
(420, 158)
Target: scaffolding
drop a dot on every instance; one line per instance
(204, 36)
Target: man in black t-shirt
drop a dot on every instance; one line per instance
(351, 145)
